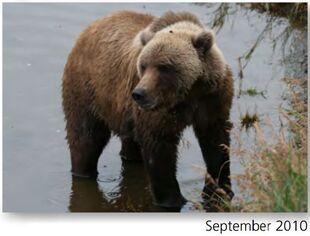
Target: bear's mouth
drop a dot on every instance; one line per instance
(147, 106)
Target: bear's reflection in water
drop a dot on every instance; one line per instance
(133, 194)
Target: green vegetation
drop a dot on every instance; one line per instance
(249, 120)
(275, 176)
(252, 92)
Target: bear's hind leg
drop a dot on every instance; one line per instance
(86, 144)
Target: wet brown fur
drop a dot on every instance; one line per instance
(99, 77)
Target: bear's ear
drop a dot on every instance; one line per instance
(203, 41)
(146, 36)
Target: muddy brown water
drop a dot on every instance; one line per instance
(37, 39)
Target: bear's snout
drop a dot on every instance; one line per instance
(141, 97)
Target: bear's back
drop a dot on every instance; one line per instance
(110, 35)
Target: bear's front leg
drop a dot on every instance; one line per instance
(214, 142)
(130, 150)
(160, 157)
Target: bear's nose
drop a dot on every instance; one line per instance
(139, 95)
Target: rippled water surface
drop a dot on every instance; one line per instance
(36, 41)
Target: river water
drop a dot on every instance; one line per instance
(37, 39)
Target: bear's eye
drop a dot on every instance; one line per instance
(142, 68)
(166, 68)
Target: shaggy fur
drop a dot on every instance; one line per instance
(187, 82)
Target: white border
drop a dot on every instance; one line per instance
(129, 223)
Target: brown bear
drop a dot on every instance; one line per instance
(145, 79)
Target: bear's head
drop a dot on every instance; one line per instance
(177, 51)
